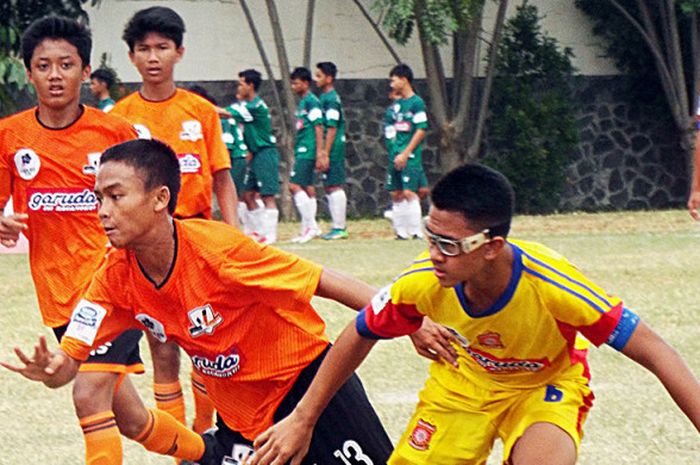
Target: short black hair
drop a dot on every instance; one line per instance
(155, 159)
(56, 27)
(251, 76)
(202, 92)
(105, 75)
(160, 19)
(402, 70)
(481, 194)
(301, 73)
(328, 68)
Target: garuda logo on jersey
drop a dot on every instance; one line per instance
(191, 130)
(27, 163)
(190, 163)
(221, 366)
(204, 320)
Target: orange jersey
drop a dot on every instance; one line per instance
(189, 124)
(240, 310)
(50, 174)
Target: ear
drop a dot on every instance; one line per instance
(161, 199)
(86, 72)
(29, 76)
(494, 247)
(131, 57)
(180, 53)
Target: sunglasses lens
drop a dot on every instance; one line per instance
(448, 248)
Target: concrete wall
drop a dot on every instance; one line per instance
(218, 41)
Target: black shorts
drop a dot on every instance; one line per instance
(121, 355)
(348, 431)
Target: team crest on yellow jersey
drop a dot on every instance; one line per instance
(204, 320)
(421, 435)
(490, 339)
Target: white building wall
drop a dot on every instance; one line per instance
(218, 41)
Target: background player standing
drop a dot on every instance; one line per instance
(49, 156)
(334, 148)
(517, 309)
(263, 171)
(409, 122)
(101, 80)
(309, 155)
(191, 126)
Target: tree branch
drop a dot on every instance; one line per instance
(379, 32)
(310, 7)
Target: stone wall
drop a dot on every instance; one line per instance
(627, 158)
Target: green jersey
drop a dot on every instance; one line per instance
(407, 116)
(334, 117)
(389, 131)
(106, 104)
(257, 129)
(233, 138)
(309, 116)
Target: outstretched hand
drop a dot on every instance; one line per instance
(433, 341)
(42, 365)
(285, 442)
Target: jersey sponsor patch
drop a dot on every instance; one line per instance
(300, 124)
(93, 163)
(221, 366)
(204, 320)
(153, 326)
(490, 339)
(494, 364)
(380, 299)
(142, 131)
(85, 321)
(190, 163)
(421, 435)
(402, 126)
(191, 130)
(68, 200)
(27, 163)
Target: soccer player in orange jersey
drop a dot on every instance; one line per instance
(241, 311)
(190, 125)
(524, 317)
(49, 156)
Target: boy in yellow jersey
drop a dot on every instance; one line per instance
(191, 126)
(518, 311)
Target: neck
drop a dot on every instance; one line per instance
(158, 92)
(104, 95)
(408, 93)
(251, 97)
(326, 89)
(59, 118)
(483, 290)
(156, 252)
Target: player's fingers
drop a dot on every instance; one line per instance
(427, 353)
(22, 358)
(55, 364)
(9, 243)
(11, 367)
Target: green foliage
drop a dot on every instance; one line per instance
(15, 16)
(532, 128)
(438, 18)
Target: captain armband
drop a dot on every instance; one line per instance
(624, 329)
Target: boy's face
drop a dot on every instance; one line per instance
(97, 87)
(398, 84)
(155, 57)
(245, 90)
(451, 271)
(126, 209)
(56, 72)
(299, 86)
(322, 80)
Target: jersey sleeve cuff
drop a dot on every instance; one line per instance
(623, 331)
(362, 327)
(75, 349)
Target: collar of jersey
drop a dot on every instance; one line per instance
(505, 297)
(172, 265)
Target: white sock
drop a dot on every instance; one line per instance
(413, 217)
(313, 209)
(260, 203)
(399, 219)
(271, 217)
(303, 204)
(256, 221)
(243, 218)
(338, 206)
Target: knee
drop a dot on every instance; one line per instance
(166, 360)
(93, 394)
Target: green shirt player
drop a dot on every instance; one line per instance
(334, 148)
(407, 122)
(308, 154)
(101, 80)
(263, 173)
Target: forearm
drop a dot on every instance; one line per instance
(415, 140)
(347, 353)
(318, 132)
(64, 375)
(344, 289)
(225, 192)
(330, 138)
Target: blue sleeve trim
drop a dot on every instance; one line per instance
(362, 328)
(624, 329)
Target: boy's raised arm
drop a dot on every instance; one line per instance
(54, 369)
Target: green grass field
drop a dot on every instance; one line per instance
(651, 259)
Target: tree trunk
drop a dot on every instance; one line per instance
(308, 36)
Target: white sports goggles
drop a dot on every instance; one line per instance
(453, 247)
